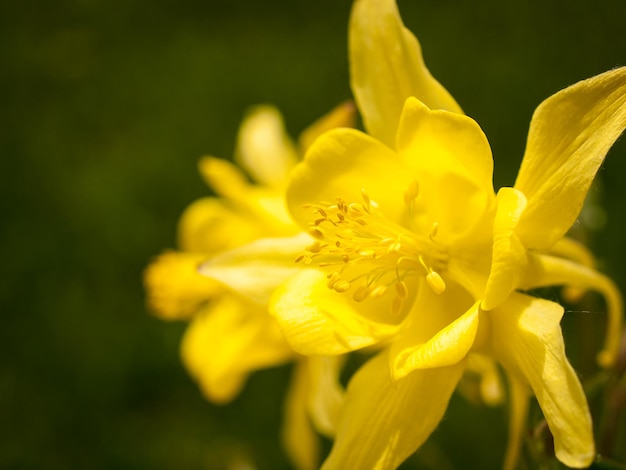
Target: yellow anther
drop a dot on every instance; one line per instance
(332, 279)
(402, 289)
(341, 286)
(433, 230)
(436, 282)
(411, 192)
(378, 291)
(316, 232)
(299, 258)
(396, 305)
(361, 293)
(314, 247)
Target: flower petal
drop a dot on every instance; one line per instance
(319, 321)
(341, 116)
(226, 341)
(298, 436)
(397, 416)
(518, 414)
(546, 271)
(258, 268)
(454, 175)
(527, 341)
(509, 256)
(264, 149)
(386, 67)
(325, 394)
(433, 337)
(446, 348)
(262, 205)
(209, 225)
(342, 163)
(570, 134)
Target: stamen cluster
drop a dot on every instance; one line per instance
(366, 253)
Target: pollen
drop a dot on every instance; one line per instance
(369, 256)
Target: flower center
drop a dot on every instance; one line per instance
(368, 254)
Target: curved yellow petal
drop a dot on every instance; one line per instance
(396, 415)
(450, 158)
(264, 149)
(573, 250)
(386, 67)
(298, 436)
(209, 225)
(255, 270)
(570, 134)
(527, 341)
(342, 163)
(325, 393)
(174, 288)
(263, 206)
(509, 255)
(447, 347)
(319, 321)
(518, 413)
(546, 270)
(226, 341)
(223, 177)
(343, 115)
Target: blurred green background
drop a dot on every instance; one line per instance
(106, 107)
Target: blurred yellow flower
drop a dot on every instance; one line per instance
(415, 253)
(231, 335)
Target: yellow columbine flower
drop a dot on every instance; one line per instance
(415, 252)
(231, 335)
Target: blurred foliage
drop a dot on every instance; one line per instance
(106, 107)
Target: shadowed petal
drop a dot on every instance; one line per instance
(298, 436)
(383, 421)
(518, 413)
(226, 341)
(454, 174)
(325, 392)
(527, 340)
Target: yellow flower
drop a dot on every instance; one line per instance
(414, 253)
(231, 335)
